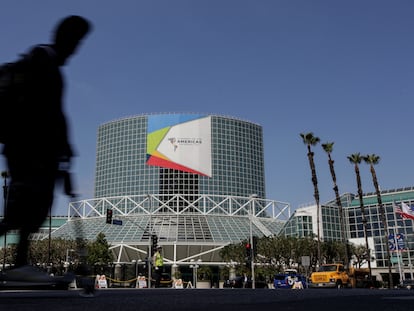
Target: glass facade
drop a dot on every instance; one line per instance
(299, 226)
(237, 161)
(330, 219)
(375, 227)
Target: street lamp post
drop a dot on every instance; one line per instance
(195, 266)
(67, 262)
(399, 257)
(252, 246)
(67, 253)
(137, 263)
(397, 251)
(410, 264)
(149, 242)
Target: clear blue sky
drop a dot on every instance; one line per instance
(341, 69)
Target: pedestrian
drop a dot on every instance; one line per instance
(158, 266)
(38, 144)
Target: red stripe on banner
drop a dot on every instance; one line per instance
(154, 161)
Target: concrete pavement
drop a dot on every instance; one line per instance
(209, 299)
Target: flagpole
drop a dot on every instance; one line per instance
(409, 264)
(405, 214)
(409, 255)
(397, 249)
(399, 256)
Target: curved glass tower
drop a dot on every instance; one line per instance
(195, 181)
(186, 154)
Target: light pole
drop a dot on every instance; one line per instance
(410, 265)
(67, 253)
(252, 246)
(67, 262)
(396, 249)
(139, 262)
(136, 262)
(194, 266)
(150, 242)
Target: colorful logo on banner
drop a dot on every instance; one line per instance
(181, 142)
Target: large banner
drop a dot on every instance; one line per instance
(396, 242)
(181, 142)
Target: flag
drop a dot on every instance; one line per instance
(405, 211)
(397, 209)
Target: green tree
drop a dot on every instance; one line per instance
(328, 147)
(235, 254)
(306, 247)
(277, 253)
(360, 254)
(59, 250)
(8, 255)
(372, 160)
(310, 140)
(98, 251)
(333, 251)
(230, 253)
(204, 273)
(356, 159)
(280, 251)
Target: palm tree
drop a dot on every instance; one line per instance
(372, 160)
(356, 159)
(328, 147)
(310, 140)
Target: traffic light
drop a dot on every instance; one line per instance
(255, 239)
(248, 247)
(154, 243)
(248, 258)
(109, 216)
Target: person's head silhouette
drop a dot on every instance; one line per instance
(67, 36)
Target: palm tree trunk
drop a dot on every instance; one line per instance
(341, 211)
(316, 196)
(364, 218)
(310, 140)
(384, 223)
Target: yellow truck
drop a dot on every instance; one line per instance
(330, 275)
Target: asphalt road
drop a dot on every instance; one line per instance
(209, 299)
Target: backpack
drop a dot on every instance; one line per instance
(13, 85)
(15, 78)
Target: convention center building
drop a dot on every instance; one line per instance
(195, 181)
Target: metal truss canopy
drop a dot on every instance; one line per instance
(188, 227)
(180, 204)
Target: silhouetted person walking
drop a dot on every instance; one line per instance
(38, 142)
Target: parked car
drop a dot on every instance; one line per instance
(237, 282)
(408, 284)
(288, 279)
